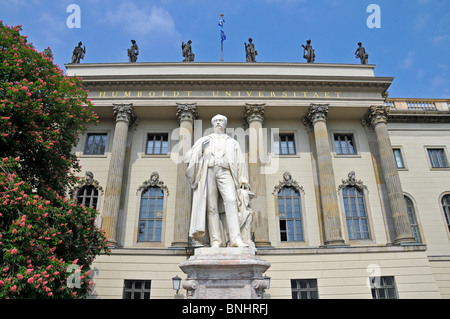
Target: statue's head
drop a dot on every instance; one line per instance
(80, 44)
(219, 120)
(359, 43)
(250, 40)
(133, 41)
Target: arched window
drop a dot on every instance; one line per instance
(446, 208)
(290, 215)
(88, 196)
(355, 213)
(153, 193)
(88, 191)
(151, 215)
(413, 219)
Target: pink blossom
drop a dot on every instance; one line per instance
(13, 251)
(20, 276)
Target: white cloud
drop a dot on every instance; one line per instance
(438, 80)
(408, 61)
(421, 21)
(142, 21)
(441, 38)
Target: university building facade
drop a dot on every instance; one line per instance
(352, 188)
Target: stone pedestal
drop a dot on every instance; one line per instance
(224, 273)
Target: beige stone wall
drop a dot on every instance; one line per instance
(340, 274)
(109, 273)
(345, 275)
(425, 185)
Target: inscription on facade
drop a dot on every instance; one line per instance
(214, 94)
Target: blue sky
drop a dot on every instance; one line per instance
(412, 44)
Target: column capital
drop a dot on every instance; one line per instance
(318, 112)
(254, 112)
(124, 112)
(187, 112)
(378, 114)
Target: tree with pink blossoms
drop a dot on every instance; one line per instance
(42, 113)
(47, 241)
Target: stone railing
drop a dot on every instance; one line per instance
(418, 104)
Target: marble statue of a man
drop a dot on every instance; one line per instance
(217, 173)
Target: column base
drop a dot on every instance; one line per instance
(262, 243)
(335, 242)
(179, 244)
(113, 243)
(405, 240)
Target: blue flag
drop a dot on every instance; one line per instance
(223, 37)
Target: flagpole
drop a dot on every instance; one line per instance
(221, 40)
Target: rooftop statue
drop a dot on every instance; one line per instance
(78, 53)
(362, 54)
(187, 51)
(133, 52)
(308, 52)
(250, 51)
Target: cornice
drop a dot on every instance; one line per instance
(408, 116)
(232, 74)
(214, 81)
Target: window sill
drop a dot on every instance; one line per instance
(155, 156)
(347, 155)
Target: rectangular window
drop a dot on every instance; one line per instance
(151, 215)
(399, 158)
(284, 144)
(136, 289)
(344, 144)
(289, 209)
(304, 289)
(355, 214)
(437, 157)
(95, 144)
(157, 144)
(383, 287)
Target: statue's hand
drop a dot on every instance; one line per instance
(205, 143)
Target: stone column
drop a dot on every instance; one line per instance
(317, 116)
(378, 118)
(186, 114)
(124, 116)
(254, 115)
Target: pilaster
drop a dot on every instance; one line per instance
(377, 116)
(124, 117)
(186, 114)
(317, 117)
(254, 115)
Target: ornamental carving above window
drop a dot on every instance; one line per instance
(153, 182)
(351, 181)
(287, 182)
(88, 181)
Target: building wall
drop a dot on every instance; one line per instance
(420, 270)
(340, 273)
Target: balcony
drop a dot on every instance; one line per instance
(418, 104)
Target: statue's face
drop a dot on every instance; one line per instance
(219, 122)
